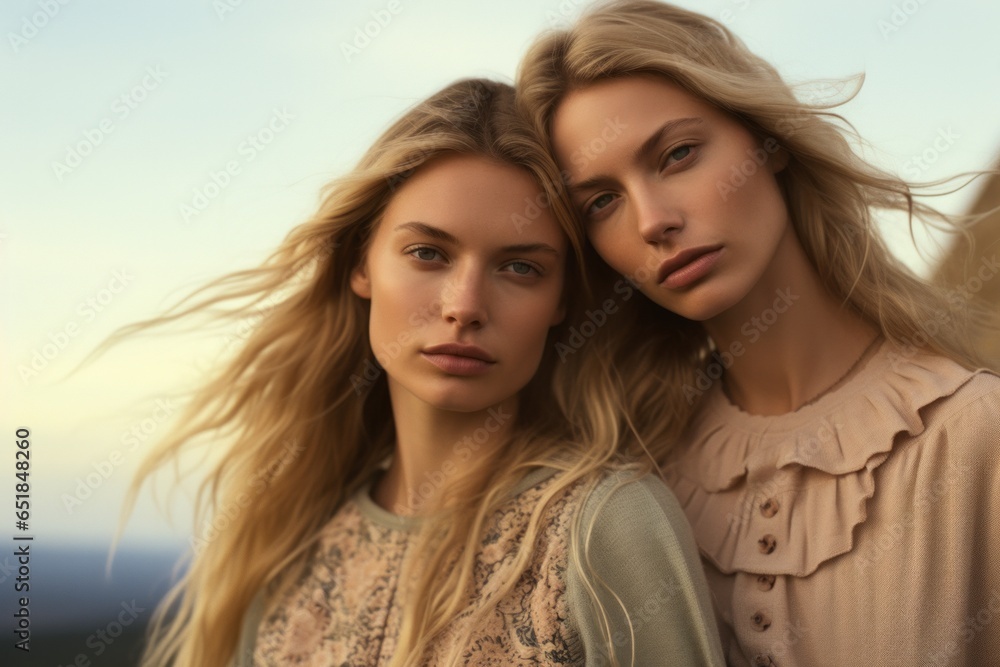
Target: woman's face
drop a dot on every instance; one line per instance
(462, 292)
(675, 194)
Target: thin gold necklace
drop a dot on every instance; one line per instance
(826, 391)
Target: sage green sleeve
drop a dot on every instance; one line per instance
(643, 549)
(248, 633)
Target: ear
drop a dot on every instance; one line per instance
(360, 284)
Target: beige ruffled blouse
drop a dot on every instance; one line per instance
(863, 528)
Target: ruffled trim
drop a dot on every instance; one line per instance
(817, 463)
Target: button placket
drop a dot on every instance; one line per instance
(767, 544)
(760, 621)
(765, 596)
(761, 617)
(769, 508)
(765, 582)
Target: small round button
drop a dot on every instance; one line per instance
(765, 582)
(762, 660)
(767, 544)
(769, 507)
(760, 621)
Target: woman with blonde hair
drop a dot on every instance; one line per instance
(830, 437)
(400, 485)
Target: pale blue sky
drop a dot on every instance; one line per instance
(112, 229)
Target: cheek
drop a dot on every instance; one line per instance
(762, 197)
(394, 304)
(530, 320)
(746, 195)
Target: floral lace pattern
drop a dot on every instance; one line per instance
(345, 609)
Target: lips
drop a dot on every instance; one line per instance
(461, 350)
(687, 266)
(458, 359)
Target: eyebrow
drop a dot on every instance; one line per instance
(642, 153)
(441, 235)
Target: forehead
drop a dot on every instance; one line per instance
(619, 112)
(474, 197)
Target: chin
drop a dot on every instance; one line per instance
(466, 402)
(698, 305)
(712, 297)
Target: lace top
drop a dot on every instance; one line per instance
(345, 610)
(857, 527)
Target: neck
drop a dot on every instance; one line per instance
(788, 341)
(435, 447)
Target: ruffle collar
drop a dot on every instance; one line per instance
(817, 460)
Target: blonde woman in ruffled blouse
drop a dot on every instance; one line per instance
(839, 453)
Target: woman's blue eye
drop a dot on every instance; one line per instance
(678, 154)
(527, 268)
(426, 254)
(600, 203)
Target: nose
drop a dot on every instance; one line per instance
(463, 299)
(656, 219)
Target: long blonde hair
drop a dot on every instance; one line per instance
(829, 190)
(300, 415)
